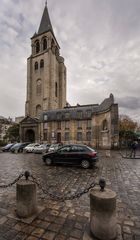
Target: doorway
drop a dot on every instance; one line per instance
(30, 136)
(59, 137)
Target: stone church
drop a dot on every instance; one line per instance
(48, 115)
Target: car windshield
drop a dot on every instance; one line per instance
(53, 146)
(31, 145)
(17, 144)
(8, 145)
(91, 149)
(65, 149)
(41, 146)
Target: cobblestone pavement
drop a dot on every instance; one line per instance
(68, 220)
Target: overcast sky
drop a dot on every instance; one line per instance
(99, 39)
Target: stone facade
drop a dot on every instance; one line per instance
(46, 73)
(49, 118)
(95, 125)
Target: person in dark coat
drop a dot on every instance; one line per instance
(134, 146)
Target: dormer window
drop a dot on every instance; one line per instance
(88, 113)
(58, 116)
(45, 117)
(67, 115)
(42, 63)
(79, 114)
(37, 46)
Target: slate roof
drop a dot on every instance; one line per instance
(28, 119)
(45, 24)
(52, 115)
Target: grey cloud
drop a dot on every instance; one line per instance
(129, 102)
(99, 39)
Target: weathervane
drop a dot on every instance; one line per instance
(46, 3)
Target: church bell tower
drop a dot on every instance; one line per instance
(46, 72)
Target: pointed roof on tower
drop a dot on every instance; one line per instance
(45, 24)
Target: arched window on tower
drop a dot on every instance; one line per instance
(38, 87)
(36, 65)
(41, 63)
(37, 46)
(53, 46)
(105, 125)
(56, 89)
(52, 43)
(44, 43)
(38, 110)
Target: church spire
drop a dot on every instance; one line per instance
(45, 24)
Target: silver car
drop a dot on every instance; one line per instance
(42, 148)
(55, 147)
(29, 148)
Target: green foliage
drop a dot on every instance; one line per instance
(127, 134)
(127, 128)
(126, 124)
(2, 143)
(12, 133)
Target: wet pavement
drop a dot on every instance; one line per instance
(68, 219)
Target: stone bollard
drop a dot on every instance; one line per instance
(103, 223)
(26, 198)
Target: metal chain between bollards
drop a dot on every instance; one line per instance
(56, 197)
(12, 183)
(63, 197)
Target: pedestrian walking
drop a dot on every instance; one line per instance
(134, 146)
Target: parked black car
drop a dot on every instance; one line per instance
(7, 147)
(18, 147)
(72, 154)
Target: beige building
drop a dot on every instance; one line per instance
(49, 118)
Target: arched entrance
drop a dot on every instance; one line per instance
(30, 136)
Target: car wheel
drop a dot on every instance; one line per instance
(48, 161)
(85, 164)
